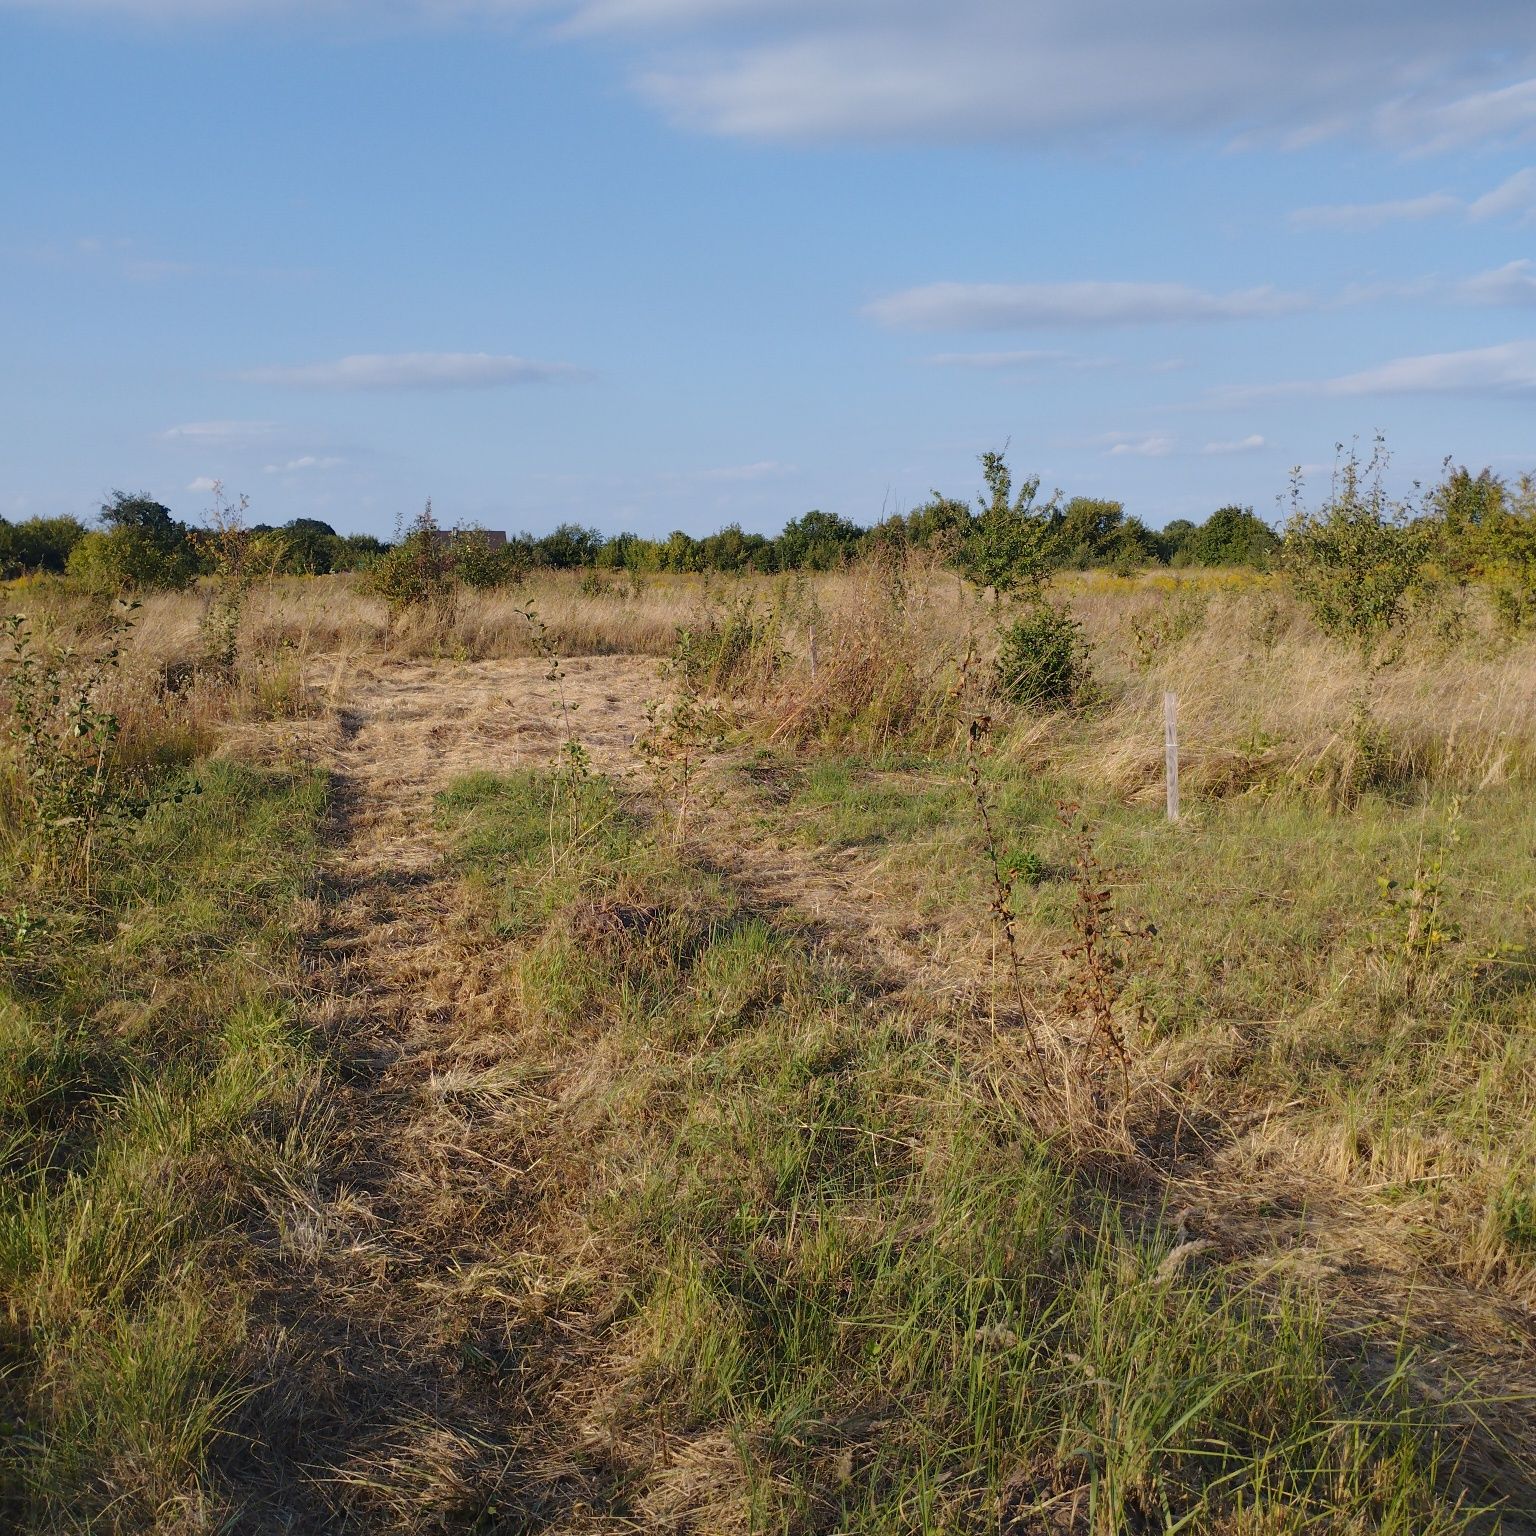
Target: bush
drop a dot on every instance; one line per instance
(568, 547)
(1482, 529)
(1042, 661)
(418, 570)
(140, 544)
(1229, 536)
(1354, 561)
(1008, 548)
(479, 563)
(38, 544)
(728, 648)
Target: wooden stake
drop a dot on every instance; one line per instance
(1171, 751)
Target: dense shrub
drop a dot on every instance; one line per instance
(1008, 547)
(1355, 559)
(1092, 532)
(1042, 661)
(1481, 529)
(1229, 536)
(478, 563)
(139, 544)
(37, 544)
(418, 570)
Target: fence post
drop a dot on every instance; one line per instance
(1171, 751)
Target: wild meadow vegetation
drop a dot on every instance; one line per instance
(847, 1104)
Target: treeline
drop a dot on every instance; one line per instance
(1081, 533)
(139, 542)
(1467, 527)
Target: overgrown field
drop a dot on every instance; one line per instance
(839, 1100)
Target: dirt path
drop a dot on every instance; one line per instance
(390, 1392)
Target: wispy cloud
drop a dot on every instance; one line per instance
(220, 431)
(1066, 72)
(736, 474)
(1014, 306)
(1511, 285)
(1250, 444)
(414, 370)
(303, 462)
(1154, 446)
(1365, 216)
(1507, 369)
(203, 485)
(1481, 118)
(1514, 198)
(1053, 71)
(1502, 370)
(1001, 362)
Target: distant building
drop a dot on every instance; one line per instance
(494, 537)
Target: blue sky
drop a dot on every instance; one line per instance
(672, 263)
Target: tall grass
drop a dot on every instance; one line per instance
(150, 1071)
(821, 1262)
(1265, 698)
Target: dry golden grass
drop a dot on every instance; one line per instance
(1263, 696)
(497, 1274)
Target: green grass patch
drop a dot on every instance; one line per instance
(150, 1057)
(1372, 969)
(835, 1247)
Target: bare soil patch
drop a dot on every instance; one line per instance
(393, 1388)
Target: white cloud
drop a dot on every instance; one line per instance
(305, 461)
(1501, 370)
(219, 431)
(1073, 72)
(1153, 446)
(414, 370)
(1512, 284)
(1000, 361)
(1251, 444)
(1513, 198)
(203, 484)
(1012, 306)
(1507, 113)
(1508, 369)
(1363, 216)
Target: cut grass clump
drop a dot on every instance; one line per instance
(842, 1276)
(149, 1063)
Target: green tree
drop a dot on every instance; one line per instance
(1356, 558)
(1173, 538)
(38, 544)
(1008, 548)
(1482, 529)
(1231, 536)
(478, 563)
(358, 552)
(818, 541)
(569, 547)
(139, 544)
(1089, 533)
(418, 571)
(313, 548)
